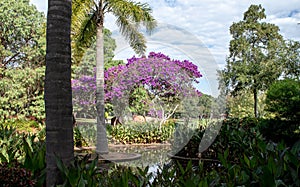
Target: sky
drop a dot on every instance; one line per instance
(198, 30)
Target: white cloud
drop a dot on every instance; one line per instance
(208, 22)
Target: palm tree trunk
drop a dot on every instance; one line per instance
(102, 144)
(58, 92)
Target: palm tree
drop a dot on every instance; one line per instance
(58, 92)
(130, 16)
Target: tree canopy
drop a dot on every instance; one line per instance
(22, 34)
(154, 74)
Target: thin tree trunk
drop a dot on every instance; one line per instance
(255, 103)
(58, 92)
(102, 143)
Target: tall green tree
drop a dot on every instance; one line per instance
(129, 17)
(254, 54)
(58, 92)
(22, 35)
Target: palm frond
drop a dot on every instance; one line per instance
(131, 33)
(85, 36)
(130, 16)
(83, 27)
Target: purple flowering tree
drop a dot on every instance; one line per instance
(166, 81)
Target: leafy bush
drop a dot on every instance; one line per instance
(24, 125)
(140, 133)
(15, 176)
(81, 172)
(283, 99)
(20, 150)
(21, 93)
(10, 145)
(278, 130)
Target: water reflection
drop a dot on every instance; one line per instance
(152, 155)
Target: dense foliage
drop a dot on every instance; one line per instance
(21, 92)
(22, 57)
(22, 35)
(151, 76)
(291, 62)
(241, 155)
(137, 133)
(283, 99)
(22, 157)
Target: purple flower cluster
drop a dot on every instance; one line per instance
(160, 75)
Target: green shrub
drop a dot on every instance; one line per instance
(81, 172)
(21, 93)
(24, 125)
(10, 145)
(140, 133)
(88, 132)
(241, 155)
(278, 130)
(283, 99)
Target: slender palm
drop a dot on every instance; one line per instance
(130, 15)
(58, 92)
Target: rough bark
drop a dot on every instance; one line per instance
(58, 92)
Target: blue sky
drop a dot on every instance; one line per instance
(198, 30)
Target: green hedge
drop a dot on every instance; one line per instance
(136, 133)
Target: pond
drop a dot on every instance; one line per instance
(152, 155)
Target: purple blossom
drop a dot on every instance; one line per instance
(158, 73)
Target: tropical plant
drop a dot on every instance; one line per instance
(22, 157)
(130, 15)
(254, 61)
(81, 172)
(79, 140)
(58, 91)
(84, 61)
